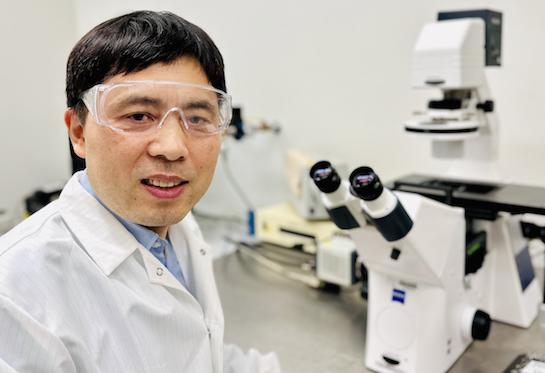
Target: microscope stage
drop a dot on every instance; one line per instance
(480, 200)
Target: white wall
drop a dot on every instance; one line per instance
(36, 37)
(336, 76)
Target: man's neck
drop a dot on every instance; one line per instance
(161, 231)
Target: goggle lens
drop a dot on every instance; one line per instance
(144, 106)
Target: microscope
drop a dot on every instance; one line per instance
(445, 255)
(420, 316)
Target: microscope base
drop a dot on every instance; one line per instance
(412, 328)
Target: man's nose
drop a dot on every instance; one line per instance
(171, 138)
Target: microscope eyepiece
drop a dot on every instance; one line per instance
(325, 177)
(365, 184)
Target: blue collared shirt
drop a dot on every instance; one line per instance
(146, 237)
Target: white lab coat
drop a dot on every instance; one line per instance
(78, 293)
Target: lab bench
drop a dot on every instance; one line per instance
(321, 332)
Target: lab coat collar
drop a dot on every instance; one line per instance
(96, 245)
(101, 235)
(143, 235)
(109, 243)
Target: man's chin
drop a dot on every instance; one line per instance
(161, 222)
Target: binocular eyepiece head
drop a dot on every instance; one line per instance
(365, 184)
(325, 177)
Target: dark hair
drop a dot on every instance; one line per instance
(133, 42)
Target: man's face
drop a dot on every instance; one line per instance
(133, 173)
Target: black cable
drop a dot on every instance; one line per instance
(235, 185)
(293, 263)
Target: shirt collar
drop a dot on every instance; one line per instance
(144, 236)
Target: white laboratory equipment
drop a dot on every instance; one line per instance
(442, 256)
(421, 316)
(450, 56)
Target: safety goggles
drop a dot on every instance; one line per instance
(145, 105)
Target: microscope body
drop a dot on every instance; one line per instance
(420, 316)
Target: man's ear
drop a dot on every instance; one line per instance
(76, 132)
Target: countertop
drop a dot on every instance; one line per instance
(320, 332)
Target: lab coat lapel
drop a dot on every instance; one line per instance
(200, 276)
(202, 285)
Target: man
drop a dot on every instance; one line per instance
(115, 276)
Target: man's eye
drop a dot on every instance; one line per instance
(139, 117)
(197, 120)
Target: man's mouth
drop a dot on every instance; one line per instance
(162, 184)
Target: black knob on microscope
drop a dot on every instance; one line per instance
(325, 177)
(481, 325)
(487, 106)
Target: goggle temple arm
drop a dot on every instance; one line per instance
(89, 98)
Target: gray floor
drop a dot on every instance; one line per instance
(313, 331)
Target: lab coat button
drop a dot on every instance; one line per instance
(159, 271)
(203, 252)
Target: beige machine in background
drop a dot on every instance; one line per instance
(282, 225)
(303, 220)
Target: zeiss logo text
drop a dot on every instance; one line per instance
(398, 296)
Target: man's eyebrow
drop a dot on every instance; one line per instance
(201, 104)
(137, 100)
